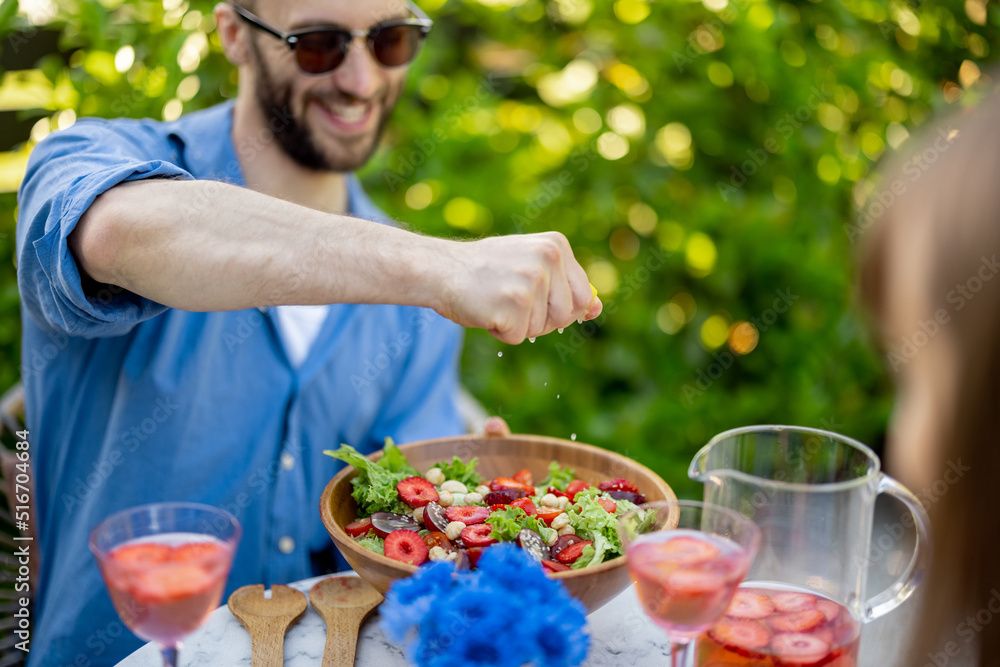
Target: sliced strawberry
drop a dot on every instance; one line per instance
(473, 554)
(197, 552)
(557, 493)
(526, 504)
(467, 514)
(829, 608)
(787, 601)
(554, 566)
(478, 535)
(618, 485)
(547, 514)
(609, 506)
(416, 491)
(796, 648)
(524, 476)
(171, 582)
(696, 581)
(406, 547)
(572, 552)
(688, 550)
(575, 487)
(564, 542)
(359, 527)
(826, 634)
(797, 621)
(750, 604)
(744, 634)
(145, 552)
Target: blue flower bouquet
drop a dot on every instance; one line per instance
(505, 613)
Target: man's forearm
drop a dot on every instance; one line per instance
(205, 246)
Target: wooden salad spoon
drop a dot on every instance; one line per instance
(343, 603)
(267, 620)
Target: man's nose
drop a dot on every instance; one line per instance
(359, 74)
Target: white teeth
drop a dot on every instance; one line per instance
(349, 114)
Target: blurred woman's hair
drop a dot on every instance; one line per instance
(946, 202)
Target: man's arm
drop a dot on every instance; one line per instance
(241, 249)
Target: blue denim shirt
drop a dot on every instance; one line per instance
(131, 402)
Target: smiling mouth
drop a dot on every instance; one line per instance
(347, 118)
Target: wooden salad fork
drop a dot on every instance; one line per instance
(267, 620)
(343, 603)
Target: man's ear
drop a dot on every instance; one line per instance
(232, 35)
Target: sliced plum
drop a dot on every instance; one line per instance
(435, 518)
(384, 523)
(503, 496)
(532, 544)
(636, 498)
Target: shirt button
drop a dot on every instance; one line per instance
(287, 461)
(286, 545)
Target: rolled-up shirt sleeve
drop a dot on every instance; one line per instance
(66, 173)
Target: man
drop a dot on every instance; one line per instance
(177, 345)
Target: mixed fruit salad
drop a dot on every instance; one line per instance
(450, 512)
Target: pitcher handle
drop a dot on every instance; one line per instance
(903, 587)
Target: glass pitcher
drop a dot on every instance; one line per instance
(812, 493)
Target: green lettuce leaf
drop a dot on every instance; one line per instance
(372, 542)
(624, 506)
(539, 527)
(559, 477)
(593, 522)
(375, 486)
(462, 472)
(585, 558)
(394, 461)
(508, 522)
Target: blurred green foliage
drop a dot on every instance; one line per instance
(702, 157)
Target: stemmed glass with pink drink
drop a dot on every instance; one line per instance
(686, 559)
(165, 566)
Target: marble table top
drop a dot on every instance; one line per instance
(621, 634)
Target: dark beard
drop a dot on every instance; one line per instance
(274, 101)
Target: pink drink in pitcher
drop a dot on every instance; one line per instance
(686, 578)
(780, 626)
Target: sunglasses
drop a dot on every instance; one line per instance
(321, 50)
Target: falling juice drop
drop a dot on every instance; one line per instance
(572, 436)
(499, 354)
(531, 340)
(560, 329)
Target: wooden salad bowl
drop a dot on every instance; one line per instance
(498, 456)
